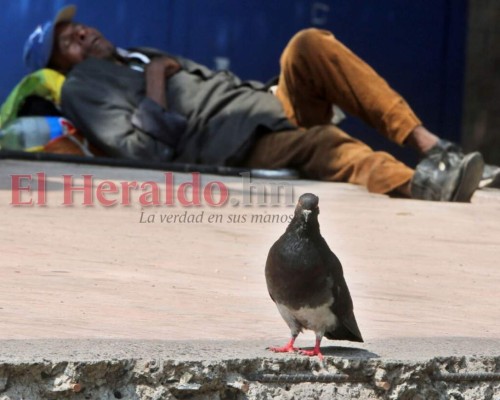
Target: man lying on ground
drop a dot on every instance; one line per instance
(147, 104)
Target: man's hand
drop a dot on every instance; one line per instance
(157, 72)
(163, 65)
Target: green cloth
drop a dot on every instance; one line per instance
(45, 83)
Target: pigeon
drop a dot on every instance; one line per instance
(306, 281)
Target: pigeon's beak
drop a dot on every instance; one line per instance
(306, 213)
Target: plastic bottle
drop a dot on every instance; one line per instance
(30, 133)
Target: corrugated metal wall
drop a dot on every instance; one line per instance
(417, 46)
(481, 120)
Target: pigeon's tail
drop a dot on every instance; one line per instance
(346, 330)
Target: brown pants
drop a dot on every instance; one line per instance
(316, 72)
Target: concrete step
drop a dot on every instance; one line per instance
(431, 368)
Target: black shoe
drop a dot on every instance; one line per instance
(445, 174)
(491, 177)
(491, 173)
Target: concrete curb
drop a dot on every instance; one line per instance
(177, 370)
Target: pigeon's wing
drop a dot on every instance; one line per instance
(295, 273)
(342, 306)
(276, 285)
(274, 269)
(270, 270)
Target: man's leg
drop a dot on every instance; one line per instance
(327, 153)
(318, 71)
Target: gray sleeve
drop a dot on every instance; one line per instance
(115, 118)
(163, 125)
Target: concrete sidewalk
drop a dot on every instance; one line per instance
(424, 278)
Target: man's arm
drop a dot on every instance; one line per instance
(107, 103)
(157, 73)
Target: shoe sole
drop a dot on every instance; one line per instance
(490, 182)
(472, 172)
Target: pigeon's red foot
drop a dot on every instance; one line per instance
(284, 349)
(287, 348)
(312, 353)
(315, 352)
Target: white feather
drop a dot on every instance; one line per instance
(318, 319)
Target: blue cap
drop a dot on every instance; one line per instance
(38, 47)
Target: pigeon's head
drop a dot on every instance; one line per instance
(307, 206)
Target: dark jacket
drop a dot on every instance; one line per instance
(212, 117)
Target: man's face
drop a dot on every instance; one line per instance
(74, 42)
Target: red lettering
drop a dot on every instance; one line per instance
(103, 188)
(151, 198)
(69, 189)
(41, 188)
(208, 193)
(17, 189)
(126, 186)
(195, 191)
(169, 188)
